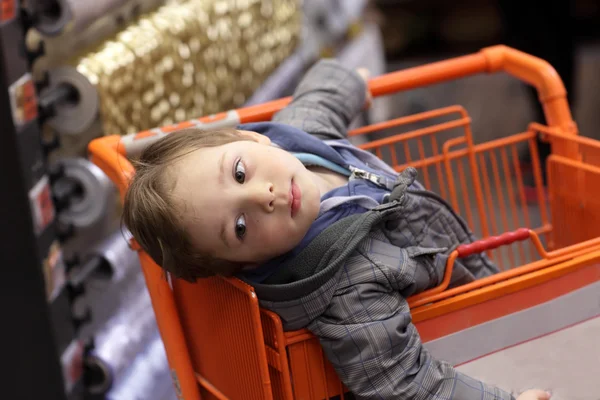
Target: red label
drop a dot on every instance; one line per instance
(8, 10)
(42, 207)
(54, 271)
(30, 108)
(23, 100)
(72, 364)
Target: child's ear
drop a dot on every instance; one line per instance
(257, 137)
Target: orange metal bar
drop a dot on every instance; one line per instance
(549, 258)
(578, 164)
(446, 157)
(280, 344)
(530, 69)
(393, 154)
(298, 338)
(311, 385)
(463, 186)
(390, 83)
(511, 197)
(211, 388)
(466, 250)
(489, 303)
(455, 154)
(169, 326)
(490, 205)
(407, 152)
(438, 168)
(493, 242)
(537, 176)
(541, 75)
(322, 368)
(416, 133)
(543, 230)
(521, 192)
(425, 169)
(476, 181)
(108, 155)
(549, 131)
(441, 287)
(410, 119)
(500, 197)
(262, 112)
(523, 66)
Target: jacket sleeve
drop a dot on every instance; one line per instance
(368, 336)
(326, 101)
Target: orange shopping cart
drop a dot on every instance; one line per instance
(221, 345)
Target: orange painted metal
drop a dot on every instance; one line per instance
(221, 345)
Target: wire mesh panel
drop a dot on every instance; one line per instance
(484, 183)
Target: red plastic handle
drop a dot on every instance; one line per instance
(492, 242)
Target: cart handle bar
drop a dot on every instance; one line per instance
(469, 249)
(530, 69)
(492, 242)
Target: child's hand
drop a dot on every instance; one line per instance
(534, 394)
(364, 73)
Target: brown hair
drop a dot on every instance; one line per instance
(149, 210)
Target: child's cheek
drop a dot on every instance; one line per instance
(272, 232)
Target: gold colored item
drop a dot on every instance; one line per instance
(188, 59)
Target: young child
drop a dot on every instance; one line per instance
(331, 238)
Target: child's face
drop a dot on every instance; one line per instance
(245, 201)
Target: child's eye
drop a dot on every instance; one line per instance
(239, 172)
(240, 227)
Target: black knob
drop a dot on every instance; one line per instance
(79, 321)
(52, 144)
(72, 262)
(65, 232)
(63, 191)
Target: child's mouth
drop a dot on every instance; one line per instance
(295, 198)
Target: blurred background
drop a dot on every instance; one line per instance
(75, 70)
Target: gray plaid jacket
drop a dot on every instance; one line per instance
(350, 284)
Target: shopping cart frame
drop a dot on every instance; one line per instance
(111, 154)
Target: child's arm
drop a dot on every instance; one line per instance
(368, 335)
(327, 99)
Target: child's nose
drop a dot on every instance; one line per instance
(264, 197)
